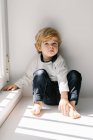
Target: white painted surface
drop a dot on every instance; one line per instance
(8, 101)
(74, 20)
(51, 125)
(3, 44)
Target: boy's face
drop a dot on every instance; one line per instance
(49, 48)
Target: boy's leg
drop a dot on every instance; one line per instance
(39, 87)
(74, 82)
(39, 84)
(43, 89)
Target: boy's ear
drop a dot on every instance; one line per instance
(39, 48)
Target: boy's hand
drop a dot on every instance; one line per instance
(64, 106)
(9, 87)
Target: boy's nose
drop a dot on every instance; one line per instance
(50, 46)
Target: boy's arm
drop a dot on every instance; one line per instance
(64, 95)
(26, 80)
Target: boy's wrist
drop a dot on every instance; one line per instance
(64, 95)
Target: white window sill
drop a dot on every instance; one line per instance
(8, 100)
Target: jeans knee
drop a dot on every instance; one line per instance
(40, 75)
(75, 75)
(39, 72)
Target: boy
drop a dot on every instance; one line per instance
(48, 73)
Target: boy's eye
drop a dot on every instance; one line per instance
(46, 43)
(55, 44)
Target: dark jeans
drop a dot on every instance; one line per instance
(48, 91)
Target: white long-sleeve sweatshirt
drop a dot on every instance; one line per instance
(56, 70)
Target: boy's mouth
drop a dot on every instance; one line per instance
(51, 50)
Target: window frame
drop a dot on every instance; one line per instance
(4, 44)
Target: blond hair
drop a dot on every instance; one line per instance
(46, 33)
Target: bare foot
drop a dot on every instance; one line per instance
(74, 114)
(37, 108)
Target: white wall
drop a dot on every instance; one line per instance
(72, 18)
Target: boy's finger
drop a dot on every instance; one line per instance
(13, 88)
(9, 88)
(4, 88)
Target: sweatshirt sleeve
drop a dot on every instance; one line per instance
(61, 71)
(26, 80)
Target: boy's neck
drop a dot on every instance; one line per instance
(48, 60)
